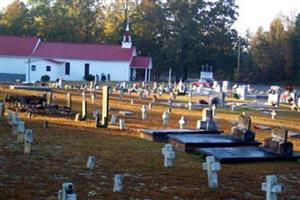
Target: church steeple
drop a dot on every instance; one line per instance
(127, 43)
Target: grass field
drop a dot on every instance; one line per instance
(59, 154)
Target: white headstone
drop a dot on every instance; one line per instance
(150, 106)
(21, 131)
(144, 112)
(190, 105)
(225, 86)
(274, 99)
(118, 183)
(121, 124)
(91, 162)
(165, 118)
(67, 192)
(213, 108)
(212, 167)
(273, 114)
(131, 101)
(169, 155)
(241, 91)
(271, 187)
(113, 119)
(182, 122)
(28, 140)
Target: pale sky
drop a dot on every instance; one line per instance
(252, 13)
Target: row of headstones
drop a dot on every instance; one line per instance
(206, 123)
(271, 186)
(19, 130)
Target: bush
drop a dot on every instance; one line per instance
(45, 78)
(89, 77)
(103, 77)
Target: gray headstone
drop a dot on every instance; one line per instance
(105, 106)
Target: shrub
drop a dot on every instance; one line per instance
(89, 77)
(45, 78)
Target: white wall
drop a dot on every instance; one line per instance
(118, 70)
(36, 75)
(13, 65)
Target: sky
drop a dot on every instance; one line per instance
(252, 13)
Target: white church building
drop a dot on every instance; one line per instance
(28, 59)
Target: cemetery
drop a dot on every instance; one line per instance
(107, 142)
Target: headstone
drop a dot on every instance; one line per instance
(93, 98)
(165, 118)
(97, 120)
(118, 183)
(144, 112)
(190, 105)
(150, 106)
(84, 110)
(29, 115)
(212, 167)
(28, 139)
(105, 106)
(217, 98)
(182, 122)
(225, 86)
(1, 110)
(67, 192)
(113, 119)
(77, 117)
(213, 109)
(15, 122)
(46, 123)
(154, 99)
(60, 83)
(21, 131)
(243, 129)
(121, 124)
(241, 92)
(169, 155)
(69, 100)
(274, 99)
(49, 97)
(10, 117)
(273, 114)
(271, 187)
(91, 162)
(278, 142)
(207, 114)
(131, 101)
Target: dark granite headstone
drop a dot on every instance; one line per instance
(243, 130)
(278, 142)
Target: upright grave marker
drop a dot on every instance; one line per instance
(21, 131)
(84, 110)
(2, 110)
(144, 112)
(182, 122)
(271, 187)
(118, 183)
(105, 106)
(28, 139)
(67, 192)
(165, 118)
(69, 100)
(169, 155)
(212, 167)
(90, 165)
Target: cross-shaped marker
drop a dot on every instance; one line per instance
(212, 167)
(182, 122)
(271, 187)
(273, 114)
(169, 154)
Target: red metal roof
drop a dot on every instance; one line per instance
(17, 46)
(141, 62)
(83, 51)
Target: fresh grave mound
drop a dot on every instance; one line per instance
(162, 135)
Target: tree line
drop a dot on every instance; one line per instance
(179, 34)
